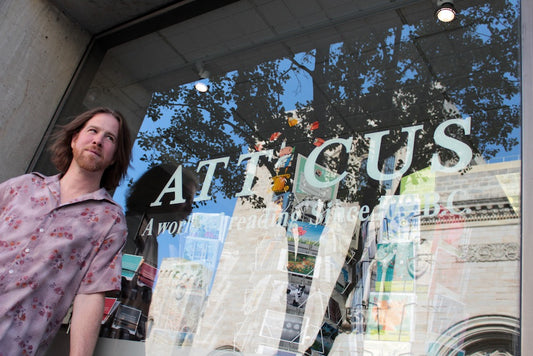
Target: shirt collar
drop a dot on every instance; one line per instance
(53, 184)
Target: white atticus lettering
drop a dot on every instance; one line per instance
(462, 150)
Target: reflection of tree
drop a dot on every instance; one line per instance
(398, 73)
(395, 76)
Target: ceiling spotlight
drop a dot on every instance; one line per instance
(445, 10)
(201, 87)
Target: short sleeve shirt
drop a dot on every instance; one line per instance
(49, 252)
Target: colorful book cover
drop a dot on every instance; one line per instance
(390, 317)
(205, 251)
(304, 237)
(400, 218)
(334, 312)
(177, 301)
(292, 328)
(207, 226)
(322, 174)
(395, 267)
(147, 274)
(110, 304)
(130, 265)
(301, 264)
(421, 183)
(298, 290)
(325, 339)
(345, 279)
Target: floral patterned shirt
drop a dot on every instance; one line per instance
(49, 252)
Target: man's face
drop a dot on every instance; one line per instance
(94, 147)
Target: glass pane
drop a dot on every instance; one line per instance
(358, 196)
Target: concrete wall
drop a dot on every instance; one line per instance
(40, 49)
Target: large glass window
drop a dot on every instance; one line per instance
(352, 187)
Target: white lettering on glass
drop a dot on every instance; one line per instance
(309, 170)
(211, 166)
(251, 169)
(461, 149)
(374, 148)
(173, 186)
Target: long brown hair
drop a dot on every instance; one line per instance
(62, 151)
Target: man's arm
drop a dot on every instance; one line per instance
(87, 316)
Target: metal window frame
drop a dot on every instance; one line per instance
(526, 302)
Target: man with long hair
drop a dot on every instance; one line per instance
(61, 237)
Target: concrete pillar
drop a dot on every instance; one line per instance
(40, 50)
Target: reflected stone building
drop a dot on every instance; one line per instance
(476, 256)
(424, 284)
(439, 297)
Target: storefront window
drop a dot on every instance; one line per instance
(350, 189)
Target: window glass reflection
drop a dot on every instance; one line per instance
(360, 196)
